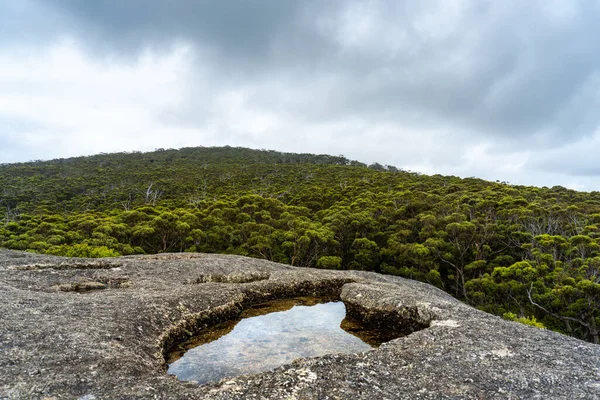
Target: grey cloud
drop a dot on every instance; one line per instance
(504, 85)
(515, 75)
(575, 159)
(509, 73)
(32, 22)
(241, 31)
(13, 146)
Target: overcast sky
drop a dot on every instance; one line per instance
(502, 90)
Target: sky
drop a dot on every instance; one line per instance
(502, 90)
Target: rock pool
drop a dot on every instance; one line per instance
(269, 335)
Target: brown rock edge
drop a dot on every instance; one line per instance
(99, 329)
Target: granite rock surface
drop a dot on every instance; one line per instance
(100, 329)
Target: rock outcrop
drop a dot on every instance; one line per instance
(73, 328)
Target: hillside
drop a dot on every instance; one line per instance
(526, 253)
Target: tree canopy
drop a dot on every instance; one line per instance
(530, 254)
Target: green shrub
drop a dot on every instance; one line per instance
(531, 321)
(329, 262)
(82, 250)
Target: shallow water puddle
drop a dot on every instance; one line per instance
(270, 335)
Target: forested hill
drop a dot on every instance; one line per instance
(526, 253)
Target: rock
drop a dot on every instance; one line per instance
(111, 343)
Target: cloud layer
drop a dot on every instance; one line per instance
(501, 90)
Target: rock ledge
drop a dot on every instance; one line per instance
(99, 329)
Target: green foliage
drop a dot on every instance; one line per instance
(509, 250)
(531, 321)
(82, 250)
(329, 262)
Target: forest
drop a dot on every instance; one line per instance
(525, 253)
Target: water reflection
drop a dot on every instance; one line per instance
(266, 337)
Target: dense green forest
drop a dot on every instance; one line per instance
(526, 253)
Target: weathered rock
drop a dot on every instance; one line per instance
(110, 343)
